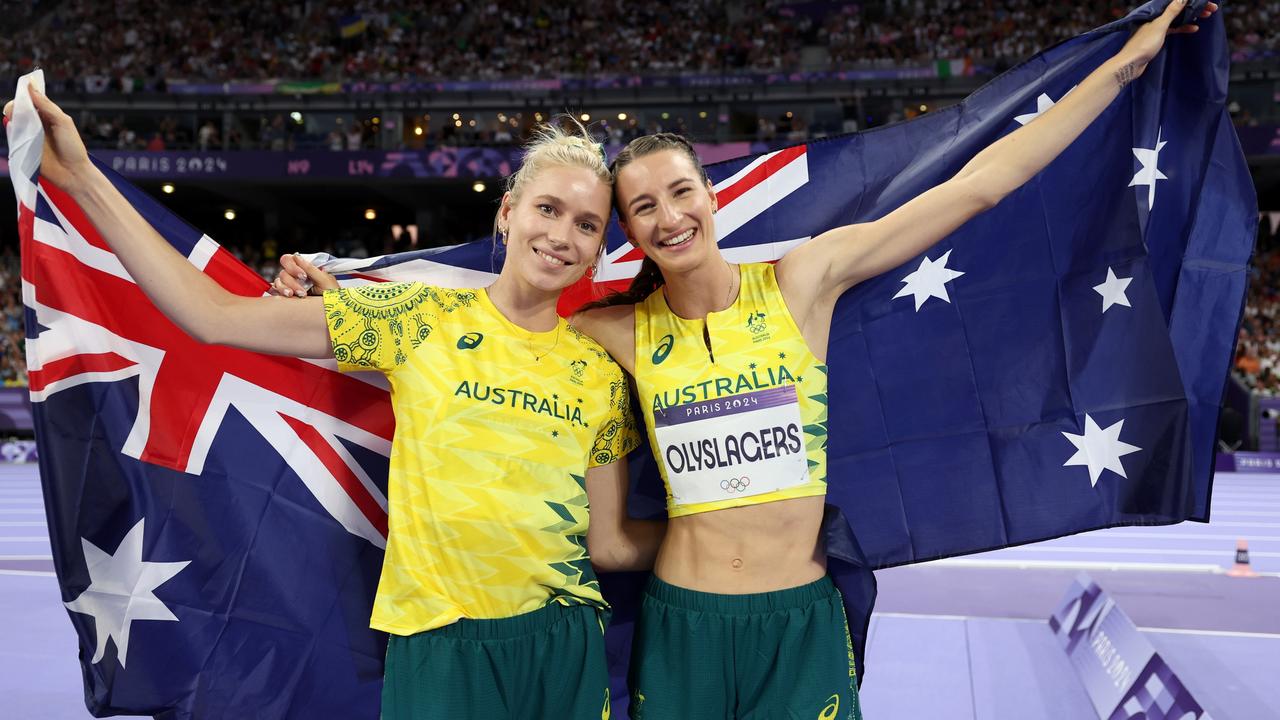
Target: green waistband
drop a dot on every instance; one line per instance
(749, 604)
(511, 627)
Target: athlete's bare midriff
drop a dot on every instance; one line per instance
(758, 548)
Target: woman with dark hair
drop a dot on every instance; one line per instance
(740, 619)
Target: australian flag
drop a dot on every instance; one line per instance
(1054, 366)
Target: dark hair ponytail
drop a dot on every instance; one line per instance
(649, 278)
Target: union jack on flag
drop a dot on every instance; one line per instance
(1053, 366)
(217, 516)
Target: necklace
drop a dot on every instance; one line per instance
(732, 276)
(528, 341)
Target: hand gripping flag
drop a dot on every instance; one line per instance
(217, 517)
(1052, 367)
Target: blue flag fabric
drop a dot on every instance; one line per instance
(1054, 366)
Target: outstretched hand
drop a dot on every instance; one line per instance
(1148, 40)
(66, 161)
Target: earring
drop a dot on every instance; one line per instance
(503, 235)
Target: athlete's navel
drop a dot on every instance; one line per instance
(736, 563)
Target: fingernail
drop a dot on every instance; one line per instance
(301, 277)
(287, 292)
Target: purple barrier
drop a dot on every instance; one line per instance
(450, 162)
(1120, 670)
(445, 162)
(15, 410)
(1249, 462)
(1269, 425)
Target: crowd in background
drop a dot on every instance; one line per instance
(13, 365)
(1258, 346)
(138, 45)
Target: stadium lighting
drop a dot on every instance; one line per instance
(377, 120)
(537, 116)
(666, 116)
(585, 117)
(296, 116)
(703, 114)
(167, 189)
(456, 116)
(229, 214)
(622, 116)
(370, 214)
(788, 113)
(457, 123)
(924, 108)
(478, 186)
(472, 123)
(417, 131)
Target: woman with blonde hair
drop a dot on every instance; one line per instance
(509, 423)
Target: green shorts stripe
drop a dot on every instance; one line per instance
(548, 664)
(708, 656)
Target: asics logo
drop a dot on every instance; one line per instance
(470, 341)
(661, 352)
(832, 707)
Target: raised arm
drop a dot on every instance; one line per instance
(815, 274)
(197, 304)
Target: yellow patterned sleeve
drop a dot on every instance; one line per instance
(376, 327)
(619, 433)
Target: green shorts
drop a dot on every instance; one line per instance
(765, 656)
(548, 664)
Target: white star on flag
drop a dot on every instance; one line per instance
(120, 590)
(929, 280)
(1112, 291)
(1149, 173)
(1099, 449)
(1043, 103)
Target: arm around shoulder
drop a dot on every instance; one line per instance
(612, 326)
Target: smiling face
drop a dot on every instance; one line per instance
(666, 209)
(555, 226)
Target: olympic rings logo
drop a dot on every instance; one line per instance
(735, 484)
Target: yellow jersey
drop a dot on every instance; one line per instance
(495, 429)
(736, 405)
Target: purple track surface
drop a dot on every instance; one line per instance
(962, 639)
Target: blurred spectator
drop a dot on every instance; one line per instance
(1257, 361)
(13, 365)
(139, 45)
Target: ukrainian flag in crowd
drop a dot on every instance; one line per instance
(352, 25)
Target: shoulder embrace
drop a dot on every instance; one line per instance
(605, 324)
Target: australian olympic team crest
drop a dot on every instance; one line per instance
(576, 370)
(758, 327)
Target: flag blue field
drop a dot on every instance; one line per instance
(1054, 366)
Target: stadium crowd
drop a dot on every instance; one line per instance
(1258, 345)
(13, 365)
(138, 45)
